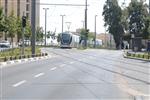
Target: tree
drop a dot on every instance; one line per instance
(51, 35)
(28, 31)
(59, 37)
(137, 14)
(84, 34)
(124, 20)
(12, 26)
(39, 34)
(112, 16)
(19, 29)
(91, 35)
(146, 31)
(1, 20)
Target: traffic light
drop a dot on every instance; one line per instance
(23, 21)
(87, 32)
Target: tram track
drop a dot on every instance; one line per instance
(102, 67)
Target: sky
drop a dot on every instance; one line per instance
(75, 15)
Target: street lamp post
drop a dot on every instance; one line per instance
(62, 22)
(83, 22)
(68, 25)
(45, 23)
(95, 33)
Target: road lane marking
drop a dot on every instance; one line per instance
(91, 57)
(38, 75)
(19, 83)
(80, 59)
(71, 62)
(54, 68)
(62, 65)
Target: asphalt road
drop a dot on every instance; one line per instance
(77, 75)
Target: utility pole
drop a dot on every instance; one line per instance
(83, 22)
(86, 22)
(62, 22)
(33, 18)
(95, 33)
(45, 23)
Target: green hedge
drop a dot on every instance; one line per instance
(17, 52)
(144, 56)
(9, 58)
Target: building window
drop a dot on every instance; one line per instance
(27, 15)
(27, 7)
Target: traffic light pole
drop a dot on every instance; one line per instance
(86, 22)
(23, 41)
(33, 26)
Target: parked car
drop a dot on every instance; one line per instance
(5, 42)
(4, 47)
(26, 43)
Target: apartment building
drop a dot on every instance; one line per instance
(107, 39)
(20, 7)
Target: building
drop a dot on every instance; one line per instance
(107, 39)
(20, 8)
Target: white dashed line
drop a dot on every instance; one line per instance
(62, 65)
(19, 83)
(38, 75)
(91, 57)
(71, 62)
(54, 68)
(80, 59)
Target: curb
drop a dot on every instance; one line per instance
(125, 56)
(2, 64)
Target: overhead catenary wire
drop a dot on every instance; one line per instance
(62, 4)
